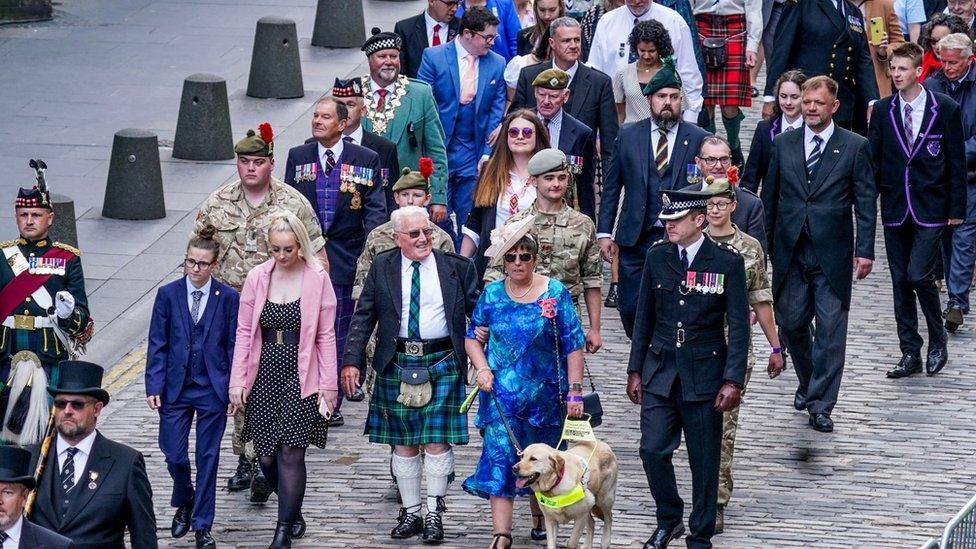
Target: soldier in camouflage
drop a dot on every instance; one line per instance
(721, 229)
(241, 212)
(568, 248)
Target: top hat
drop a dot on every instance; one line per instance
(78, 377)
(15, 466)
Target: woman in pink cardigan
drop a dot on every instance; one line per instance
(284, 372)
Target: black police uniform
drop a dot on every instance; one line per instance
(683, 356)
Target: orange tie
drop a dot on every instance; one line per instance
(468, 80)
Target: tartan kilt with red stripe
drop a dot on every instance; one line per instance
(728, 85)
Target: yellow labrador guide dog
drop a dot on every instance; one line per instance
(572, 486)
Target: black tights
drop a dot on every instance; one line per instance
(285, 470)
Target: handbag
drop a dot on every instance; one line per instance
(715, 51)
(592, 406)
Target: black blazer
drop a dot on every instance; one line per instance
(35, 537)
(924, 180)
(389, 162)
(630, 170)
(481, 221)
(379, 306)
(413, 30)
(590, 101)
(576, 139)
(349, 228)
(844, 180)
(817, 39)
(113, 494)
(760, 152)
(523, 41)
(663, 307)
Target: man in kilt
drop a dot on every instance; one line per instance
(739, 23)
(418, 299)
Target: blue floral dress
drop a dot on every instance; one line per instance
(521, 353)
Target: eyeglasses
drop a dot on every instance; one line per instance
(416, 232)
(453, 4)
(526, 132)
(62, 403)
(720, 206)
(523, 257)
(194, 264)
(714, 160)
(488, 38)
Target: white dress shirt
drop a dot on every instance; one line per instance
(463, 65)
(785, 125)
(336, 152)
(442, 32)
(375, 86)
(692, 249)
(808, 143)
(611, 52)
(433, 322)
(13, 534)
(356, 135)
(918, 110)
(190, 288)
(81, 457)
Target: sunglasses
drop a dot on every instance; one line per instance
(526, 132)
(61, 404)
(416, 233)
(523, 257)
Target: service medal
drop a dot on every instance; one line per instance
(356, 202)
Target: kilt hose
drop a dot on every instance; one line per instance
(440, 421)
(728, 85)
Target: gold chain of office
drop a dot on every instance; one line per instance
(381, 119)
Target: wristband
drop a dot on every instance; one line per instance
(776, 351)
(574, 398)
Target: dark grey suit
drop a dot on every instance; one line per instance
(380, 306)
(812, 244)
(36, 537)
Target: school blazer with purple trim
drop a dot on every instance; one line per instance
(924, 180)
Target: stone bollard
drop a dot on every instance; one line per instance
(65, 227)
(339, 24)
(276, 68)
(135, 183)
(203, 128)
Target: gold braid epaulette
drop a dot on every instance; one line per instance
(68, 247)
(8, 243)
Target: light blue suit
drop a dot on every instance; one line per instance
(439, 68)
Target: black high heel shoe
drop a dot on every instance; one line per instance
(282, 536)
(538, 534)
(498, 538)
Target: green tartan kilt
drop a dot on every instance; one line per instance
(390, 422)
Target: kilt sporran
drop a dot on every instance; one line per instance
(727, 78)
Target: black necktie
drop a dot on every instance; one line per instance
(330, 162)
(840, 6)
(68, 470)
(684, 259)
(348, 139)
(3, 537)
(814, 157)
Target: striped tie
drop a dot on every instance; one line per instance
(329, 162)
(68, 470)
(661, 155)
(413, 320)
(814, 157)
(908, 124)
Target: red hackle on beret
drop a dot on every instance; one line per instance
(426, 166)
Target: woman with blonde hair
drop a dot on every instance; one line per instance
(503, 189)
(284, 374)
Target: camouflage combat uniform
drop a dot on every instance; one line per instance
(568, 251)
(760, 290)
(242, 231)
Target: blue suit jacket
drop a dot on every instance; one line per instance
(439, 68)
(347, 234)
(506, 45)
(168, 355)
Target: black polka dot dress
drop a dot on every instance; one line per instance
(275, 413)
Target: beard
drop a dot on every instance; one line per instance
(666, 119)
(72, 429)
(388, 74)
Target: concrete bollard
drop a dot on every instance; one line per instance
(339, 24)
(135, 183)
(65, 227)
(203, 128)
(276, 68)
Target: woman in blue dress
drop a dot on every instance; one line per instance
(534, 352)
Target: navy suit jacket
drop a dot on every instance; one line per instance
(760, 153)
(413, 30)
(439, 68)
(389, 163)
(347, 233)
(576, 139)
(168, 354)
(965, 96)
(924, 180)
(630, 170)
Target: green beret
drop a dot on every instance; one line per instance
(410, 180)
(255, 145)
(666, 77)
(547, 160)
(552, 79)
(719, 186)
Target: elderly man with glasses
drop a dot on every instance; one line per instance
(714, 160)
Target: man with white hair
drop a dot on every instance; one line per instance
(418, 299)
(955, 79)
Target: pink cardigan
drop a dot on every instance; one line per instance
(316, 341)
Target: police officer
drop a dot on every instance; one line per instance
(43, 304)
(241, 212)
(568, 249)
(683, 371)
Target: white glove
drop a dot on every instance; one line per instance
(64, 304)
